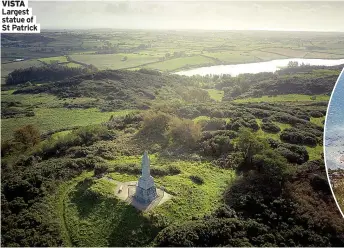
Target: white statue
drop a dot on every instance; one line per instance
(145, 188)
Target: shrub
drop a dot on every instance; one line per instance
(213, 124)
(134, 169)
(246, 120)
(296, 136)
(185, 132)
(155, 122)
(155, 148)
(91, 134)
(196, 179)
(270, 127)
(293, 153)
(316, 114)
(216, 145)
(28, 136)
(100, 169)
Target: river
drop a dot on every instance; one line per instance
(267, 66)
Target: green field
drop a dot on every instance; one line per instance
(207, 151)
(181, 63)
(60, 59)
(172, 51)
(114, 61)
(50, 119)
(285, 98)
(217, 95)
(7, 68)
(318, 121)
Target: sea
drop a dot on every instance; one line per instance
(334, 129)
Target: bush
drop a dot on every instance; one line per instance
(270, 127)
(155, 122)
(213, 124)
(133, 169)
(296, 136)
(293, 153)
(185, 132)
(216, 145)
(91, 134)
(28, 136)
(245, 120)
(196, 179)
(316, 114)
(100, 169)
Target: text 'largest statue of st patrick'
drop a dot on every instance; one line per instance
(145, 188)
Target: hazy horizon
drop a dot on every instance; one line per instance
(317, 16)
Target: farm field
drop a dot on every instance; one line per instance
(72, 132)
(6, 68)
(50, 119)
(115, 61)
(172, 51)
(60, 59)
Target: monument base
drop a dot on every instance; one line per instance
(145, 195)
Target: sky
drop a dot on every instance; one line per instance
(191, 14)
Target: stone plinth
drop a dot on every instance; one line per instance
(126, 191)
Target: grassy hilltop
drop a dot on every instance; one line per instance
(241, 156)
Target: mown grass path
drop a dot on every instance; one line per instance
(63, 192)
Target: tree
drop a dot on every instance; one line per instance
(236, 91)
(28, 136)
(155, 122)
(185, 132)
(249, 145)
(293, 64)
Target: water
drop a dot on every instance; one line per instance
(268, 66)
(334, 132)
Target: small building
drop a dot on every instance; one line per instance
(145, 188)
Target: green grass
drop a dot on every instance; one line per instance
(201, 118)
(181, 63)
(71, 64)
(50, 119)
(233, 57)
(107, 221)
(59, 59)
(217, 95)
(190, 199)
(318, 121)
(315, 152)
(275, 136)
(114, 61)
(290, 53)
(284, 98)
(60, 134)
(133, 159)
(9, 67)
(282, 126)
(29, 99)
(42, 99)
(59, 200)
(104, 220)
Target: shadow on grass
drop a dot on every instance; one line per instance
(119, 223)
(85, 199)
(132, 229)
